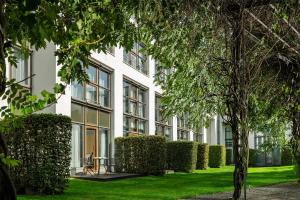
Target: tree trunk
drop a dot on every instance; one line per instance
(7, 189)
(295, 114)
(239, 106)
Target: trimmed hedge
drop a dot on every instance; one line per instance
(42, 143)
(182, 156)
(202, 156)
(286, 156)
(217, 156)
(141, 154)
(253, 157)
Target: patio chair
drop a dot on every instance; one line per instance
(89, 165)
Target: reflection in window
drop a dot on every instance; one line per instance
(21, 72)
(91, 94)
(77, 112)
(183, 130)
(77, 145)
(162, 126)
(77, 90)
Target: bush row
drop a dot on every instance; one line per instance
(41, 142)
(152, 155)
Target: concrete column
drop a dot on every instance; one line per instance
(174, 130)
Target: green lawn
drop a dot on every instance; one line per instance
(172, 186)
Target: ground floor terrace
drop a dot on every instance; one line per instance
(171, 186)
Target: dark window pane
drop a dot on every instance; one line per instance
(141, 110)
(77, 112)
(126, 123)
(141, 96)
(104, 119)
(104, 97)
(142, 127)
(91, 116)
(126, 57)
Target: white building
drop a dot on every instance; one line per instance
(121, 99)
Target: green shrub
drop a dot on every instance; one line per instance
(202, 156)
(217, 156)
(141, 154)
(286, 156)
(229, 157)
(182, 155)
(42, 143)
(253, 157)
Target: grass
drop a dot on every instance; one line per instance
(171, 186)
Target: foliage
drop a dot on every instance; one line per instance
(170, 186)
(77, 27)
(286, 156)
(141, 154)
(41, 142)
(253, 156)
(182, 156)
(202, 156)
(217, 156)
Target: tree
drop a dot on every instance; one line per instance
(223, 39)
(77, 27)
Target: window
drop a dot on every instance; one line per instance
(91, 116)
(228, 137)
(96, 91)
(22, 71)
(136, 58)
(134, 104)
(183, 130)
(258, 140)
(162, 126)
(161, 74)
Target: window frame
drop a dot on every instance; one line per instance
(163, 124)
(136, 52)
(134, 116)
(29, 69)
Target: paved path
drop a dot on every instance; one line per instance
(287, 191)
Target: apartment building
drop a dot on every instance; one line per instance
(120, 99)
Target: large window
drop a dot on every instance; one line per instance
(21, 72)
(96, 91)
(228, 137)
(134, 104)
(136, 58)
(162, 126)
(91, 116)
(183, 129)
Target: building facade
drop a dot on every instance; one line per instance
(120, 99)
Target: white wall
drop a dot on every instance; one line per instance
(44, 68)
